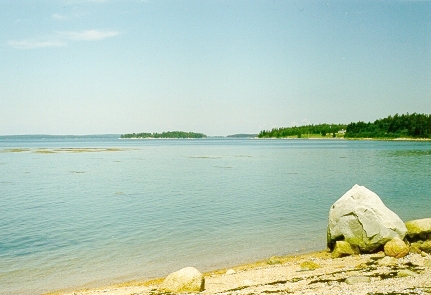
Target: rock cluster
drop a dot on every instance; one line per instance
(419, 234)
(359, 222)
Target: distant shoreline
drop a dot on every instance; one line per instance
(343, 138)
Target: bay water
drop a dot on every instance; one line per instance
(88, 211)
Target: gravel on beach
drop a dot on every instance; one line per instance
(314, 273)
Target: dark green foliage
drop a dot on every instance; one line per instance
(301, 131)
(411, 126)
(168, 134)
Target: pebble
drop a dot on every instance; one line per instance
(357, 280)
(387, 261)
(405, 273)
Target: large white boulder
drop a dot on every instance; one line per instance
(186, 280)
(360, 218)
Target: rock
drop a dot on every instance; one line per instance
(230, 272)
(378, 255)
(360, 218)
(273, 260)
(387, 260)
(426, 246)
(405, 273)
(357, 280)
(419, 228)
(343, 248)
(309, 265)
(396, 248)
(415, 247)
(185, 280)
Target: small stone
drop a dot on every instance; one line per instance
(361, 266)
(273, 260)
(415, 248)
(387, 261)
(405, 273)
(426, 246)
(185, 280)
(378, 255)
(357, 280)
(309, 265)
(396, 248)
(342, 248)
(230, 272)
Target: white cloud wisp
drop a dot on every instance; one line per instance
(90, 35)
(62, 39)
(32, 44)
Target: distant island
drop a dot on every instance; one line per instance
(242, 135)
(409, 126)
(168, 134)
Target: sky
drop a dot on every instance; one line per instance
(211, 66)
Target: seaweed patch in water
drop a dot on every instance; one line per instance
(15, 150)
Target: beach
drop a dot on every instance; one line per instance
(312, 273)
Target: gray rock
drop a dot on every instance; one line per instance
(357, 280)
(185, 280)
(360, 218)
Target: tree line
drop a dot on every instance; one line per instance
(300, 131)
(397, 126)
(167, 134)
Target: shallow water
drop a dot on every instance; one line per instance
(78, 211)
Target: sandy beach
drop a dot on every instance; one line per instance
(313, 273)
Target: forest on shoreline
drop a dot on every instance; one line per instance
(410, 126)
(320, 130)
(398, 126)
(167, 134)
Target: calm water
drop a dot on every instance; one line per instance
(136, 209)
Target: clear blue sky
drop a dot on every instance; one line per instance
(211, 66)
